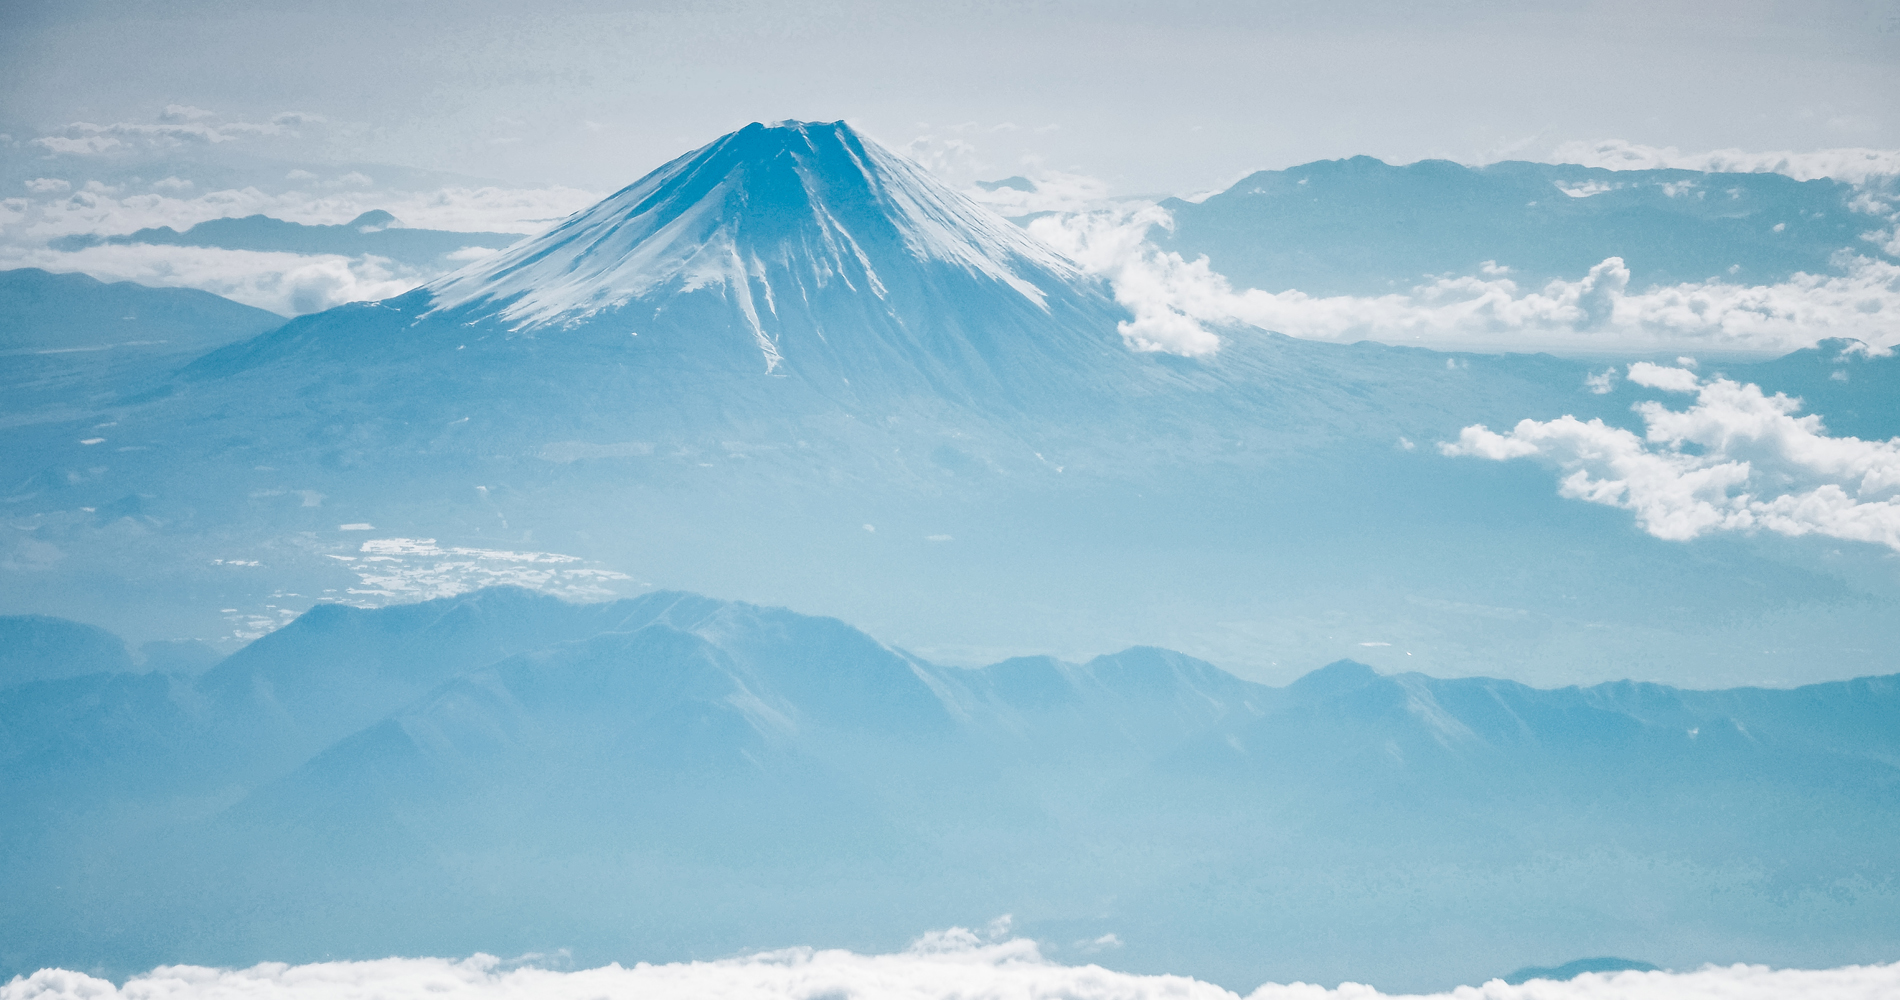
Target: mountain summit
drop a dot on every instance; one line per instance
(798, 250)
(807, 230)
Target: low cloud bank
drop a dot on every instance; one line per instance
(1175, 301)
(940, 966)
(1853, 165)
(1736, 460)
(291, 284)
(48, 207)
(417, 569)
(288, 284)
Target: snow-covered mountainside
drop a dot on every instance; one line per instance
(770, 215)
(797, 250)
(896, 432)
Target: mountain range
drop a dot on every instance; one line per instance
(1361, 226)
(794, 368)
(673, 777)
(69, 341)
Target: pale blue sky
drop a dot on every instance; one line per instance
(1150, 97)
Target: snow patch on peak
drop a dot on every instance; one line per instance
(758, 215)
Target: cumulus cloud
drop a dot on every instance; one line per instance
(1169, 297)
(1736, 460)
(1175, 300)
(952, 964)
(285, 283)
(1855, 166)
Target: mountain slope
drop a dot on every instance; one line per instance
(798, 250)
(42, 311)
(1363, 227)
(674, 776)
(971, 469)
(37, 648)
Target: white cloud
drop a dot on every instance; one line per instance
(1175, 300)
(285, 283)
(1736, 460)
(1854, 166)
(1888, 240)
(1051, 191)
(177, 126)
(1168, 296)
(951, 158)
(99, 210)
(88, 139)
(1661, 377)
(950, 964)
(395, 570)
(1586, 189)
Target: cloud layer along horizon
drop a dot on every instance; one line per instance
(939, 966)
(1855, 165)
(1735, 460)
(1176, 301)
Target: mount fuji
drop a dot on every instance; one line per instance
(794, 251)
(794, 368)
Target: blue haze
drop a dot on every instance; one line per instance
(1256, 508)
(787, 369)
(1360, 226)
(674, 777)
(374, 232)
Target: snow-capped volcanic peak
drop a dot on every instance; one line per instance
(768, 215)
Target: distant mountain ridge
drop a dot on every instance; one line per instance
(68, 341)
(673, 776)
(46, 311)
(948, 437)
(1360, 226)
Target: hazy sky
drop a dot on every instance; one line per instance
(1151, 97)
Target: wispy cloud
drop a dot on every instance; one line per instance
(946, 965)
(1736, 460)
(393, 570)
(1855, 166)
(290, 284)
(51, 207)
(178, 126)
